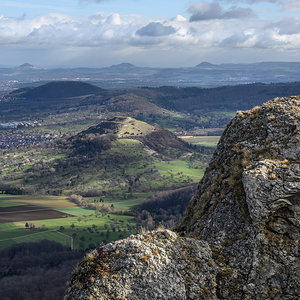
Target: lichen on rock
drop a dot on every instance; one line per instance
(239, 237)
(156, 265)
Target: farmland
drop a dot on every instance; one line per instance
(28, 212)
(59, 220)
(138, 162)
(206, 141)
(115, 165)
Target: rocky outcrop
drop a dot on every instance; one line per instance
(239, 237)
(156, 265)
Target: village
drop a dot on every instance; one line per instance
(16, 138)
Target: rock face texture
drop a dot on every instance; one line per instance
(239, 237)
(156, 265)
(247, 205)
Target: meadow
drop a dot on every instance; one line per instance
(207, 141)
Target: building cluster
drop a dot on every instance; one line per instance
(15, 139)
(19, 124)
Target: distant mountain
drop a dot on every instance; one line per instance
(173, 107)
(123, 66)
(127, 75)
(61, 89)
(232, 98)
(26, 66)
(205, 65)
(129, 102)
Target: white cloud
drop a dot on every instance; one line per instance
(105, 37)
(156, 29)
(287, 26)
(180, 18)
(206, 11)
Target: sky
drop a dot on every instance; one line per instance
(158, 33)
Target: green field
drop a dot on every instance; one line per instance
(37, 236)
(11, 230)
(87, 229)
(76, 211)
(207, 141)
(178, 171)
(124, 204)
(120, 178)
(9, 203)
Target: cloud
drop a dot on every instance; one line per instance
(108, 37)
(155, 29)
(287, 26)
(208, 11)
(291, 5)
(286, 5)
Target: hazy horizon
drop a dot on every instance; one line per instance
(141, 66)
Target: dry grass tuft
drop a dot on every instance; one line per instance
(143, 230)
(160, 229)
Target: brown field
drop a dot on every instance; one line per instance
(45, 201)
(28, 212)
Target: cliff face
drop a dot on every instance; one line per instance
(239, 237)
(247, 204)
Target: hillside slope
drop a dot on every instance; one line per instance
(179, 109)
(232, 98)
(115, 158)
(58, 89)
(240, 234)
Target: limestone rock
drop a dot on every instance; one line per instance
(247, 204)
(239, 237)
(156, 265)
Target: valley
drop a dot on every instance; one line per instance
(108, 170)
(95, 165)
(149, 150)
